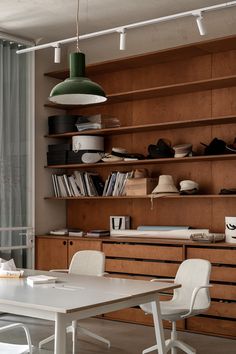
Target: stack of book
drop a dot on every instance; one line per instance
(97, 121)
(40, 279)
(115, 183)
(78, 184)
(98, 233)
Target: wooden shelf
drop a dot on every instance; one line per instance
(160, 91)
(167, 55)
(148, 162)
(155, 197)
(150, 127)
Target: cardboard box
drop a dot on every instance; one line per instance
(140, 186)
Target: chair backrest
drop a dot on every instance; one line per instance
(193, 273)
(88, 262)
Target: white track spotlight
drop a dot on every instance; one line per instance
(122, 39)
(57, 53)
(200, 23)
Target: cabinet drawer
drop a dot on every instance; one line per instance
(212, 325)
(80, 245)
(136, 315)
(222, 309)
(226, 274)
(144, 252)
(139, 267)
(224, 292)
(221, 256)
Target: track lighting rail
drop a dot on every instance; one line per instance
(197, 13)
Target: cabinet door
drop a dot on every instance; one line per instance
(51, 253)
(80, 245)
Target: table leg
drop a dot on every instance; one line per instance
(60, 334)
(160, 339)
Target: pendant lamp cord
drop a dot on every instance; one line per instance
(77, 28)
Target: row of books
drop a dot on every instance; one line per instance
(78, 184)
(115, 183)
(89, 184)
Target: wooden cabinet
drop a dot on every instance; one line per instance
(57, 252)
(185, 95)
(145, 259)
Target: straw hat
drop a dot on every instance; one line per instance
(165, 185)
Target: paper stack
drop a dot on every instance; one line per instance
(40, 279)
(8, 269)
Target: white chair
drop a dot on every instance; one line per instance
(86, 262)
(191, 299)
(8, 348)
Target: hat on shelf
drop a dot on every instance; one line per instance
(182, 150)
(111, 158)
(216, 147)
(231, 148)
(165, 185)
(162, 149)
(189, 187)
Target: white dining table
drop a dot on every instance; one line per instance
(75, 297)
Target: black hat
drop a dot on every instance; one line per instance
(161, 150)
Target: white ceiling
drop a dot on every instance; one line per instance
(55, 19)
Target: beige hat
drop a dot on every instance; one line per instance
(188, 185)
(165, 185)
(182, 150)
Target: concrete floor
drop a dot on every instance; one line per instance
(125, 338)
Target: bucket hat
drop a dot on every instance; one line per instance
(165, 185)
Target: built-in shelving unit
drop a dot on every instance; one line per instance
(175, 196)
(191, 86)
(151, 127)
(167, 90)
(148, 162)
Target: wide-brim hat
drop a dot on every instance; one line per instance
(165, 185)
(182, 150)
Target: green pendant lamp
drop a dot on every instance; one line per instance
(77, 89)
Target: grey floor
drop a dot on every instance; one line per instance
(125, 338)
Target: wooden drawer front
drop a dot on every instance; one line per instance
(78, 245)
(226, 274)
(224, 292)
(137, 315)
(212, 326)
(143, 252)
(87, 245)
(138, 267)
(222, 309)
(222, 256)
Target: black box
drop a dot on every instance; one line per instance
(62, 124)
(74, 157)
(57, 157)
(59, 147)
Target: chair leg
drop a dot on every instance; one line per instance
(93, 335)
(154, 347)
(173, 338)
(185, 347)
(52, 337)
(74, 336)
(45, 341)
(174, 343)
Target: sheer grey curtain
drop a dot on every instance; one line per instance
(13, 147)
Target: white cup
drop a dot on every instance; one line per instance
(230, 229)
